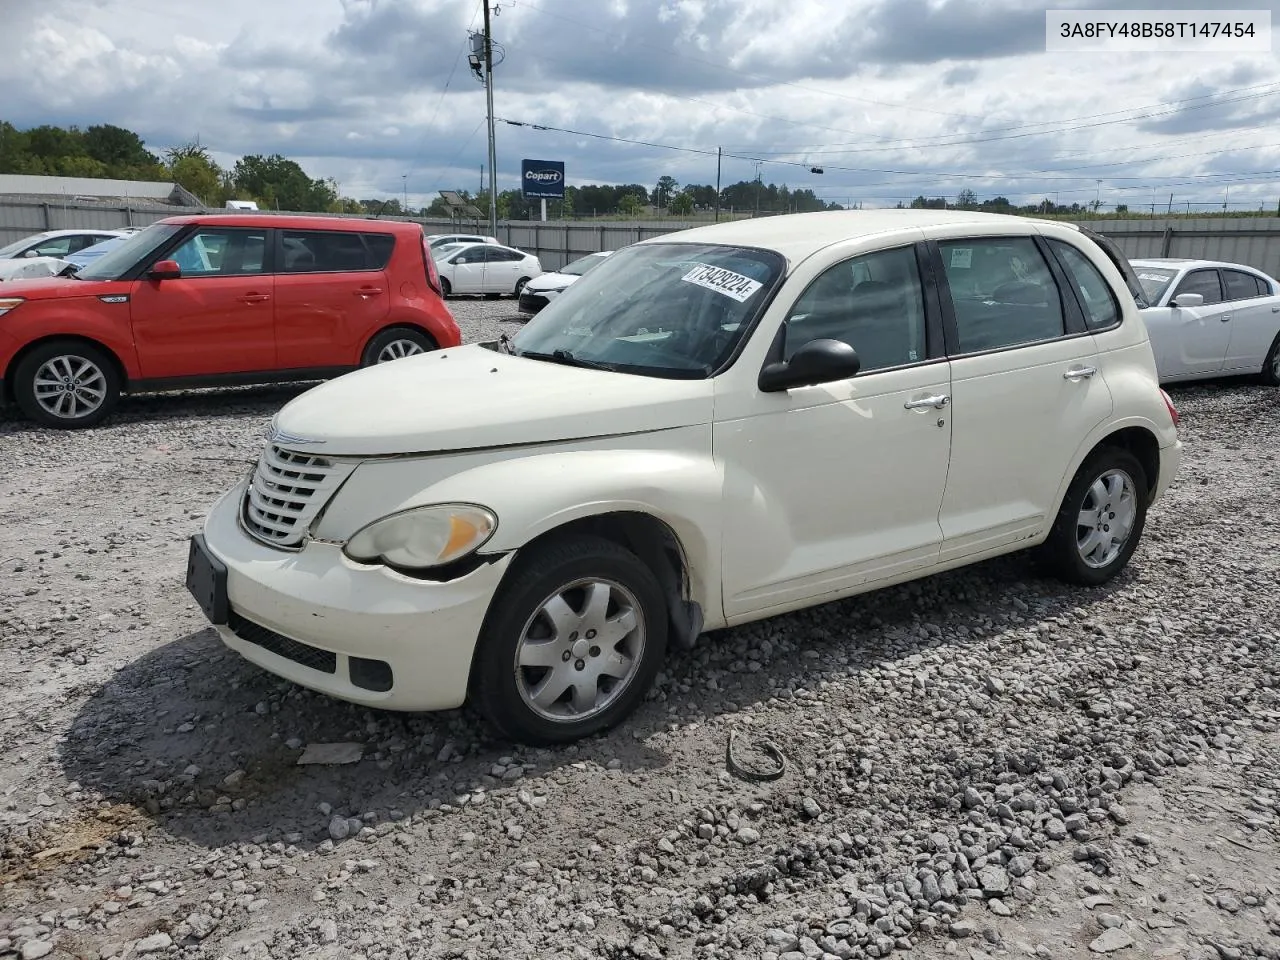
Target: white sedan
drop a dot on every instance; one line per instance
(1211, 319)
(538, 293)
(485, 268)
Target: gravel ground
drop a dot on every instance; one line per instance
(982, 764)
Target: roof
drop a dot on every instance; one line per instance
(233, 218)
(69, 188)
(799, 234)
(1176, 263)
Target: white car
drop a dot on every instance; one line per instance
(440, 239)
(710, 428)
(485, 268)
(537, 293)
(58, 243)
(1207, 318)
(32, 268)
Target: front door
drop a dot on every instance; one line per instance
(468, 270)
(218, 317)
(1200, 334)
(1026, 391)
(828, 487)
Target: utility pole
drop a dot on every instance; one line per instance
(405, 178)
(488, 92)
(757, 188)
(719, 153)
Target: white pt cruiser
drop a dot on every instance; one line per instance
(711, 427)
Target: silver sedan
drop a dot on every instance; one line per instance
(1211, 319)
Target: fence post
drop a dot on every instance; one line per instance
(48, 224)
(1166, 241)
(600, 237)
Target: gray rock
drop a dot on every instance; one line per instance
(1055, 830)
(811, 808)
(35, 949)
(1111, 941)
(328, 931)
(1109, 921)
(154, 943)
(781, 940)
(972, 799)
(339, 829)
(994, 881)
(962, 928)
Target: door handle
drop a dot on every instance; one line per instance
(368, 291)
(1079, 373)
(1275, 309)
(937, 402)
(255, 297)
(1225, 318)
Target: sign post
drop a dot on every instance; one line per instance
(542, 180)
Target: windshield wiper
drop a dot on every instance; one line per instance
(568, 359)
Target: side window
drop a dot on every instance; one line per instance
(1096, 297)
(380, 247)
(324, 251)
(1003, 292)
(1241, 285)
(57, 247)
(1204, 282)
(873, 302)
(221, 252)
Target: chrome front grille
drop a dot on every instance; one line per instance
(287, 492)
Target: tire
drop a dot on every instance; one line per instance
(395, 343)
(446, 288)
(1088, 553)
(519, 286)
(1271, 367)
(89, 391)
(518, 630)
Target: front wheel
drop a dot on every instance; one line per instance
(571, 642)
(1271, 368)
(67, 384)
(1101, 519)
(519, 286)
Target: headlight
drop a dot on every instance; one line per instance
(8, 303)
(423, 536)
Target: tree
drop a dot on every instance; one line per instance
(664, 190)
(193, 169)
(681, 205)
(629, 204)
(966, 200)
(117, 147)
(278, 183)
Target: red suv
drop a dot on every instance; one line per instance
(219, 300)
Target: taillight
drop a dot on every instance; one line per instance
(433, 276)
(1173, 411)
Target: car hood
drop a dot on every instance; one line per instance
(550, 281)
(30, 268)
(473, 398)
(56, 288)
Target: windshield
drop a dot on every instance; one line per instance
(1154, 280)
(16, 247)
(578, 267)
(658, 309)
(113, 265)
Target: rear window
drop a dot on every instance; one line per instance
(1094, 293)
(334, 251)
(1243, 286)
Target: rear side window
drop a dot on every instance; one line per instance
(1204, 282)
(332, 251)
(1002, 291)
(1243, 286)
(1095, 295)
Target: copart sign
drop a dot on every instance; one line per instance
(542, 179)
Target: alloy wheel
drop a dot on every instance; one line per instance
(70, 387)
(397, 349)
(580, 650)
(1106, 518)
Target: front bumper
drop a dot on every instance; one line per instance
(531, 302)
(359, 633)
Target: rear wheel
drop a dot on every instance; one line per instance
(446, 288)
(67, 384)
(395, 343)
(519, 286)
(1271, 368)
(571, 642)
(1101, 519)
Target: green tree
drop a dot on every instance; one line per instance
(681, 205)
(629, 204)
(278, 183)
(117, 147)
(966, 200)
(663, 192)
(193, 169)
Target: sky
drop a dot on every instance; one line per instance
(890, 98)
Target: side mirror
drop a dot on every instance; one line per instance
(818, 361)
(165, 270)
(31, 253)
(458, 260)
(1188, 300)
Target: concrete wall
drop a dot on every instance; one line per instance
(1254, 241)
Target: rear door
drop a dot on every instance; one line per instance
(1024, 384)
(218, 317)
(331, 295)
(501, 269)
(1255, 318)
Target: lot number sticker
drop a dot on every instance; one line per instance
(731, 284)
(961, 258)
